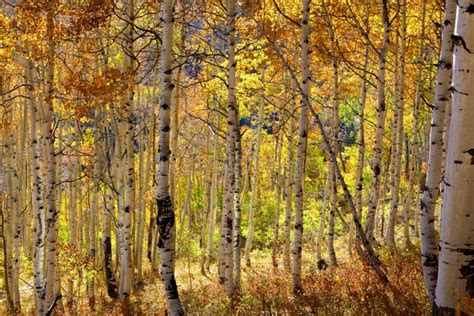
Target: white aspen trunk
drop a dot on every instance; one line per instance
(251, 228)
(226, 217)
(52, 213)
(380, 124)
(17, 221)
(301, 152)
(109, 214)
(361, 152)
(9, 219)
(398, 146)
(234, 129)
(13, 227)
(125, 223)
(166, 214)
(289, 184)
(429, 243)
(36, 198)
(456, 259)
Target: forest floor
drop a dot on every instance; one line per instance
(348, 289)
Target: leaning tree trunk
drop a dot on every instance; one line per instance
(301, 152)
(456, 260)
(380, 124)
(166, 214)
(429, 243)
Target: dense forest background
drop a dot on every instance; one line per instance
(236, 157)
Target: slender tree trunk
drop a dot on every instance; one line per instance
(127, 161)
(429, 243)
(13, 226)
(233, 112)
(109, 215)
(398, 146)
(166, 214)
(301, 152)
(456, 260)
(380, 124)
(52, 214)
(289, 184)
(37, 200)
(361, 148)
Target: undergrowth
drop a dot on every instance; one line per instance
(348, 289)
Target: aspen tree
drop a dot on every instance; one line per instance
(109, 214)
(289, 184)
(398, 146)
(233, 115)
(301, 151)
(37, 187)
(13, 226)
(361, 118)
(456, 258)
(380, 124)
(429, 243)
(127, 161)
(166, 215)
(52, 213)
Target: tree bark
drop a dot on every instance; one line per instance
(380, 124)
(301, 151)
(429, 243)
(166, 214)
(456, 259)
